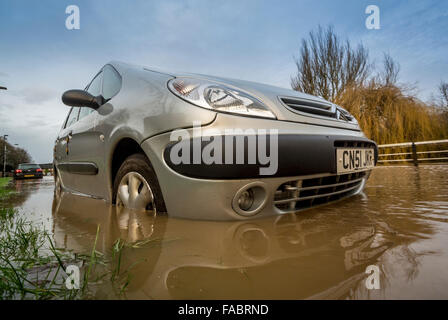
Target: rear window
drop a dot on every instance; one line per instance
(28, 166)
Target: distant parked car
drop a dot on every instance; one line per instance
(28, 170)
(118, 144)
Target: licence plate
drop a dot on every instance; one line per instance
(28, 175)
(354, 159)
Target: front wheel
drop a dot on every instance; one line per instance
(136, 186)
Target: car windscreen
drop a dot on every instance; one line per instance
(28, 166)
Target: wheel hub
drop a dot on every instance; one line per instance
(134, 193)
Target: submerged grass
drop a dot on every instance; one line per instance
(32, 267)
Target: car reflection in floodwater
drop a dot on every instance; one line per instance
(320, 253)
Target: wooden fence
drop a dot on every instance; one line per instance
(414, 152)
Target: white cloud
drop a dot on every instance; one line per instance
(37, 95)
(32, 123)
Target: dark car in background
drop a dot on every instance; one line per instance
(28, 170)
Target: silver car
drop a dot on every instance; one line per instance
(204, 147)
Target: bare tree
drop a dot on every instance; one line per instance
(327, 64)
(389, 76)
(443, 91)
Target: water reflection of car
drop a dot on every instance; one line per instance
(289, 256)
(28, 170)
(116, 144)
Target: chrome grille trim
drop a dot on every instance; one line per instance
(319, 108)
(326, 186)
(302, 194)
(314, 197)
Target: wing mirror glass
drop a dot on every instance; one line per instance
(81, 98)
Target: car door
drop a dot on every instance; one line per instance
(85, 149)
(61, 144)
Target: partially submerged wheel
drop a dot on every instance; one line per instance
(134, 192)
(136, 186)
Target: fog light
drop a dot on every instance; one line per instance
(250, 199)
(246, 200)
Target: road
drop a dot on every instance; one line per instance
(399, 223)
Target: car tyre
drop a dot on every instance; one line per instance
(136, 185)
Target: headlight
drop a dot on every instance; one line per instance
(218, 97)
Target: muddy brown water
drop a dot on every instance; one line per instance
(399, 223)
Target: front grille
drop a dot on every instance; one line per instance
(302, 194)
(320, 108)
(310, 106)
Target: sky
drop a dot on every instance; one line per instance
(252, 40)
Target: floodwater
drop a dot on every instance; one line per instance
(399, 223)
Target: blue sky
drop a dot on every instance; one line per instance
(252, 40)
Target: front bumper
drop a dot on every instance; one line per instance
(298, 155)
(305, 153)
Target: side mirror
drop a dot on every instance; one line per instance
(81, 98)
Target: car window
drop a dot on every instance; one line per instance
(95, 85)
(94, 89)
(111, 82)
(28, 166)
(72, 117)
(84, 112)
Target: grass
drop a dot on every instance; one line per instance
(4, 181)
(4, 191)
(31, 267)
